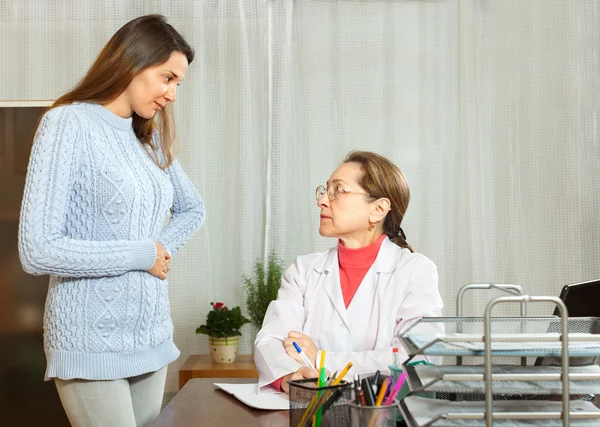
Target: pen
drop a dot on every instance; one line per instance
(381, 394)
(303, 356)
(342, 374)
(356, 382)
(368, 390)
(356, 388)
(389, 381)
(396, 389)
(375, 382)
(360, 396)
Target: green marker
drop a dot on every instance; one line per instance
(321, 384)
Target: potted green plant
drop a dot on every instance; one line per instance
(263, 289)
(223, 329)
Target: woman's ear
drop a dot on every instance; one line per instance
(380, 209)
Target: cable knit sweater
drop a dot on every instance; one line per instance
(94, 204)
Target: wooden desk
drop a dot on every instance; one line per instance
(201, 366)
(198, 403)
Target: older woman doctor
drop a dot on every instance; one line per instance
(353, 299)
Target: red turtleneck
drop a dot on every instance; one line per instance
(354, 264)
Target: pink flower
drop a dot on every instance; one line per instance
(219, 305)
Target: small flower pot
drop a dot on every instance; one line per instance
(223, 350)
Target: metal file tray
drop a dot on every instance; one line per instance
(511, 336)
(422, 412)
(514, 355)
(509, 379)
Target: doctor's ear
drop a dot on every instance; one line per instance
(380, 208)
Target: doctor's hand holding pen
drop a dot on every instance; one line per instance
(309, 369)
(309, 349)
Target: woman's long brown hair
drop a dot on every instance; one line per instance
(139, 44)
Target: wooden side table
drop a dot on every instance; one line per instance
(202, 366)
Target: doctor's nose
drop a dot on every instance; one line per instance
(322, 196)
(323, 201)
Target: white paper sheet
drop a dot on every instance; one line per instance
(248, 394)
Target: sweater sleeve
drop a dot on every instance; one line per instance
(44, 244)
(187, 212)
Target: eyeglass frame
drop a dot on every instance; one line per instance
(321, 190)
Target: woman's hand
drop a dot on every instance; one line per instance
(302, 373)
(305, 343)
(161, 264)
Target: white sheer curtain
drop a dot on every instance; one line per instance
(530, 145)
(490, 108)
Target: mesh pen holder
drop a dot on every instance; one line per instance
(306, 399)
(374, 416)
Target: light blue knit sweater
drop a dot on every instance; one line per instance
(94, 204)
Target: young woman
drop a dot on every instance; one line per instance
(351, 300)
(102, 178)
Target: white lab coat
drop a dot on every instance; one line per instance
(400, 288)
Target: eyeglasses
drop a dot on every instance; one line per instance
(334, 191)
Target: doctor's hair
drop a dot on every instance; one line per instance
(382, 178)
(139, 44)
